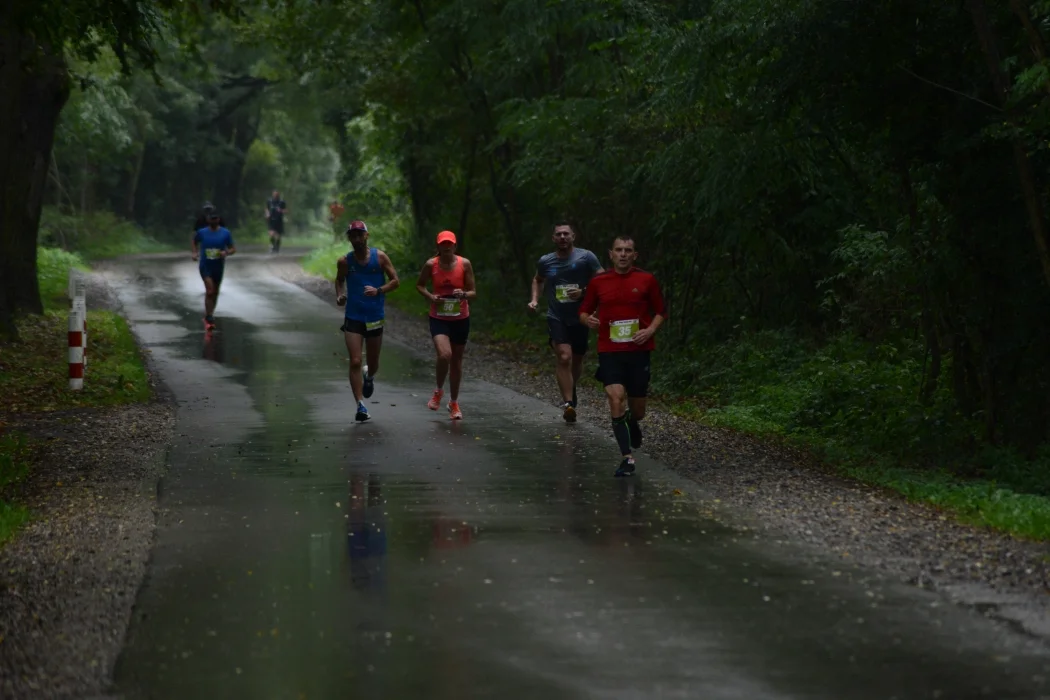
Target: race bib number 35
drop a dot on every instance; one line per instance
(212, 253)
(561, 291)
(623, 331)
(449, 307)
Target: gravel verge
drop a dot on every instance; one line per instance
(68, 580)
(782, 494)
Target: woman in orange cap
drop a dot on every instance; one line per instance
(452, 279)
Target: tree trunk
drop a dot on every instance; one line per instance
(35, 85)
(1035, 39)
(85, 188)
(133, 181)
(511, 220)
(1033, 203)
(468, 189)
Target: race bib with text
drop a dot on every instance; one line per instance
(561, 291)
(449, 307)
(623, 331)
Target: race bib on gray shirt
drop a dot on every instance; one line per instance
(562, 275)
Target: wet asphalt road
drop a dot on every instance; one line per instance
(300, 555)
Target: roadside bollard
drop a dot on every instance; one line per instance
(77, 335)
(76, 351)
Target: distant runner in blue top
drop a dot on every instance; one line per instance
(212, 245)
(566, 273)
(361, 285)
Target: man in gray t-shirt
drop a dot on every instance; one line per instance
(565, 274)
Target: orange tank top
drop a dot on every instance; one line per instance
(447, 307)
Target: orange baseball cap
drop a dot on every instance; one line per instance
(446, 237)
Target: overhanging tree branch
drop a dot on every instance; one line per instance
(978, 100)
(232, 106)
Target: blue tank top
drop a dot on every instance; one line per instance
(358, 306)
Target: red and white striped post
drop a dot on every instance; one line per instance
(76, 352)
(77, 336)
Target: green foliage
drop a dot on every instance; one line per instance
(14, 466)
(221, 120)
(95, 235)
(376, 187)
(34, 369)
(53, 265)
(857, 407)
(847, 391)
(391, 234)
(980, 502)
(12, 518)
(14, 458)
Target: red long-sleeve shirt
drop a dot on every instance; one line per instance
(622, 299)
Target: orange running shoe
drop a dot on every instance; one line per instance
(453, 410)
(435, 400)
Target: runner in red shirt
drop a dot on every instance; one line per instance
(631, 309)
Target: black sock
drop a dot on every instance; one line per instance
(622, 433)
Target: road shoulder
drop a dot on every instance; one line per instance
(70, 576)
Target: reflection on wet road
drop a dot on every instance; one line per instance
(300, 555)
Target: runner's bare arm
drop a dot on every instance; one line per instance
(468, 291)
(193, 245)
(340, 281)
(537, 285)
(421, 284)
(388, 268)
(642, 337)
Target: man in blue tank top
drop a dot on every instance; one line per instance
(361, 285)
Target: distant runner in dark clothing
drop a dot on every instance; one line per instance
(202, 219)
(275, 211)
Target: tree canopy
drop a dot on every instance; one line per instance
(867, 180)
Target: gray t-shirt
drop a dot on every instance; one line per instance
(574, 270)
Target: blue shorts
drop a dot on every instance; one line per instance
(457, 331)
(214, 271)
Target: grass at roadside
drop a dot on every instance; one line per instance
(53, 265)
(854, 407)
(96, 235)
(34, 369)
(14, 465)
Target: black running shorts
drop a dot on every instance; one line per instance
(358, 327)
(576, 335)
(630, 368)
(457, 330)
